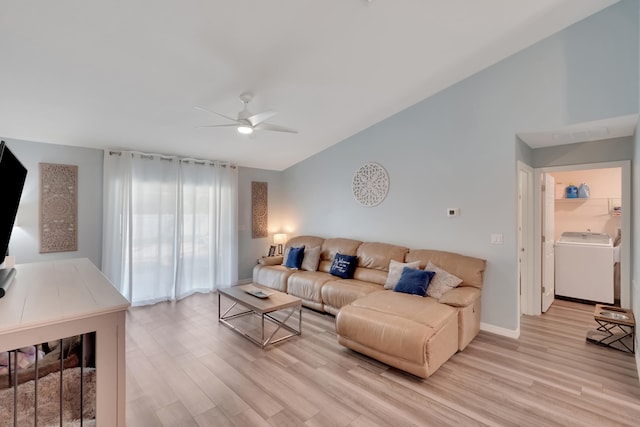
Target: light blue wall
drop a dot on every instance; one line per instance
(524, 153)
(250, 249)
(457, 149)
(25, 242)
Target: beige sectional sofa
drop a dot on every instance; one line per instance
(415, 334)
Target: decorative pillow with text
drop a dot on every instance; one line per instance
(344, 266)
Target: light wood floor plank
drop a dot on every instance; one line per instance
(183, 368)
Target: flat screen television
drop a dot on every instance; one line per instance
(12, 177)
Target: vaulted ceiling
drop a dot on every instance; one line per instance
(128, 74)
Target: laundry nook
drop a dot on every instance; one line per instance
(587, 230)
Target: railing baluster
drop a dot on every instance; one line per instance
(35, 391)
(81, 380)
(15, 385)
(61, 369)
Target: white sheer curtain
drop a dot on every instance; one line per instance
(169, 226)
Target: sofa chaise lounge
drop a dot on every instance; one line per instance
(414, 334)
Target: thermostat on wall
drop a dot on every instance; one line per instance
(453, 212)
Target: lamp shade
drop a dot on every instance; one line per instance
(280, 239)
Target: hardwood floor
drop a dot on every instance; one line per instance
(184, 369)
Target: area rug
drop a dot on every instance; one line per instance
(49, 402)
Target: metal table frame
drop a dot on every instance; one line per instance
(612, 331)
(265, 313)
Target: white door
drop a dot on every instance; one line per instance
(524, 178)
(548, 238)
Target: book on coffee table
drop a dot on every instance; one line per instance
(256, 292)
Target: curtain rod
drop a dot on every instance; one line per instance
(171, 158)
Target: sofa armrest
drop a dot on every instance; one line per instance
(271, 260)
(460, 297)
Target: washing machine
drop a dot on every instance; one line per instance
(584, 266)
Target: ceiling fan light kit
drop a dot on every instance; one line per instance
(246, 122)
(245, 130)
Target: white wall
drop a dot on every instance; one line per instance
(458, 149)
(25, 239)
(25, 243)
(250, 249)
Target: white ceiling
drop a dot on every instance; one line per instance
(127, 74)
(612, 127)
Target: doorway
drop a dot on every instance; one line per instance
(533, 288)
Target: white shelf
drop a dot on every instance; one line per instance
(611, 202)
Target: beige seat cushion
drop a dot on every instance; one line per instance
(338, 293)
(307, 285)
(412, 333)
(273, 276)
(424, 311)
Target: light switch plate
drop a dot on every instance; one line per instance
(497, 238)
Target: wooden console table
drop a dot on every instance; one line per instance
(53, 300)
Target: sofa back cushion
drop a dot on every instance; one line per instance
(330, 247)
(306, 241)
(469, 269)
(374, 259)
(378, 255)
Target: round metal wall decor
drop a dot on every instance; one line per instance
(370, 184)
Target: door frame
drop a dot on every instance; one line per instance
(525, 230)
(547, 242)
(535, 291)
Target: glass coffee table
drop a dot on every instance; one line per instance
(265, 305)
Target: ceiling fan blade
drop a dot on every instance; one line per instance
(218, 126)
(213, 112)
(256, 119)
(276, 128)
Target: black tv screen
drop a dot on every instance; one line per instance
(12, 177)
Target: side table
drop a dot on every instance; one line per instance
(616, 328)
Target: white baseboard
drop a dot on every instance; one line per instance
(510, 333)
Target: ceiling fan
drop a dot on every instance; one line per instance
(247, 122)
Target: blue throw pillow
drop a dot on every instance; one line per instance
(344, 266)
(294, 259)
(414, 281)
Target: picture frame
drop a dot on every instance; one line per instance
(272, 250)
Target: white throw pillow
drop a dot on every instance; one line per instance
(285, 255)
(395, 271)
(442, 282)
(311, 259)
